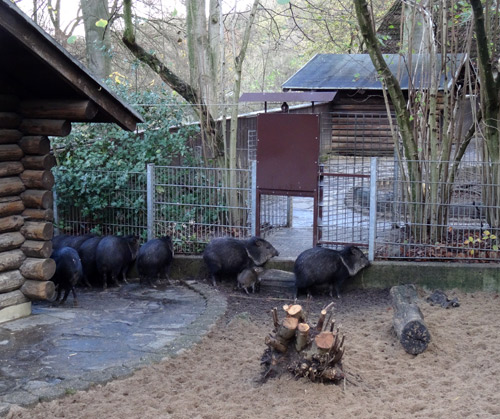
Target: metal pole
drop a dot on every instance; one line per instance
(253, 218)
(150, 188)
(373, 209)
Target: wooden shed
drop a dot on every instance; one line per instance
(43, 89)
(358, 117)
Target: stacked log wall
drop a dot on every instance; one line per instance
(13, 303)
(26, 205)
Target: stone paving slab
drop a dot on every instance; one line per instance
(58, 350)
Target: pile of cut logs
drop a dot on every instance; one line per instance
(308, 351)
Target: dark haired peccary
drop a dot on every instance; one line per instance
(87, 252)
(114, 256)
(228, 256)
(327, 266)
(68, 272)
(249, 278)
(154, 260)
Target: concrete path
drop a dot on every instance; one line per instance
(58, 350)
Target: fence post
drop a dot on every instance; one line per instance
(373, 209)
(150, 188)
(253, 219)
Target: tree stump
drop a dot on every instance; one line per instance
(408, 320)
(303, 350)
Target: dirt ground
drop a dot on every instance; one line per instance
(456, 376)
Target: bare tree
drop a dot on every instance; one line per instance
(429, 117)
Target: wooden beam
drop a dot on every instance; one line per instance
(11, 186)
(45, 162)
(11, 205)
(36, 144)
(53, 127)
(60, 62)
(10, 136)
(10, 168)
(9, 119)
(10, 152)
(72, 110)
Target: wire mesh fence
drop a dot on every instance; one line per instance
(100, 202)
(429, 219)
(196, 204)
(445, 220)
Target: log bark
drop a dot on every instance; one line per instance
(37, 248)
(11, 205)
(11, 186)
(408, 320)
(38, 230)
(52, 127)
(12, 240)
(10, 281)
(302, 336)
(38, 290)
(9, 136)
(38, 199)
(287, 329)
(8, 103)
(10, 168)
(12, 298)
(39, 269)
(10, 152)
(11, 223)
(37, 179)
(37, 144)
(273, 343)
(45, 162)
(11, 260)
(9, 119)
(74, 110)
(30, 214)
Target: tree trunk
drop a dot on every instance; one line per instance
(408, 320)
(97, 37)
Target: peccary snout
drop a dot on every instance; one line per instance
(327, 266)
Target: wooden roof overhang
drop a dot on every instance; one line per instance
(39, 71)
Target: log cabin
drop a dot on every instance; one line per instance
(43, 89)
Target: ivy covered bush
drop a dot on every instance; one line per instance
(101, 168)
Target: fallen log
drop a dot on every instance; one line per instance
(408, 320)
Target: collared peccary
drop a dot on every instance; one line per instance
(320, 265)
(229, 256)
(249, 277)
(114, 256)
(154, 259)
(68, 272)
(87, 252)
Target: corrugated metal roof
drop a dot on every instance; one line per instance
(356, 71)
(280, 97)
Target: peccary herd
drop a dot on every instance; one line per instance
(101, 261)
(98, 261)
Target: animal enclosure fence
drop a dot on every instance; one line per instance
(364, 201)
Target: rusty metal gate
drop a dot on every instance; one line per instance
(287, 159)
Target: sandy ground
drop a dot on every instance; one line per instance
(457, 376)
